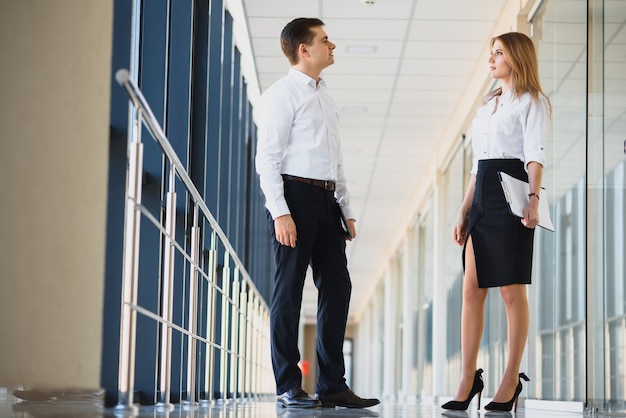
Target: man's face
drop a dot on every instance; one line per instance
(320, 52)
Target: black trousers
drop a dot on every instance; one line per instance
(320, 244)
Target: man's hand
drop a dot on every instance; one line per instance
(352, 229)
(285, 229)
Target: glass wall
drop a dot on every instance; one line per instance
(453, 185)
(610, 39)
(424, 322)
(579, 348)
(188, 66)
(557, 351)
(607, 141)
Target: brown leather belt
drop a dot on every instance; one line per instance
(324, 184)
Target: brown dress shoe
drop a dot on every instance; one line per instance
(346, 399)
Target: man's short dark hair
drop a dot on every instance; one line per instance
(297, 32)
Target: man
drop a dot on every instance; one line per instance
(299, 163)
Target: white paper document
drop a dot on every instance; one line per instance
(516, 192)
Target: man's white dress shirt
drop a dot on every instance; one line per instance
(298, 134)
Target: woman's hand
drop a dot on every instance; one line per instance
(531, 213)
(460, 229)
(459, 233)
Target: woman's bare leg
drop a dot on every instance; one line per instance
(472, 323)
(516, 303)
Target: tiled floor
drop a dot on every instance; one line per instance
(12, 407)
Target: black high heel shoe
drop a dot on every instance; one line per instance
(506, 406)
(477, 387)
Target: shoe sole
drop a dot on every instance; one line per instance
(285, 405)
(340, 405)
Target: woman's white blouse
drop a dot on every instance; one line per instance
(517, 129)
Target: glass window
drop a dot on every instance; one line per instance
(424, 332)
(559, 31)
(453, 186)
(614, 140)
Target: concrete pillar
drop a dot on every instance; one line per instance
(378, 353)
(389, 344)
(409, 298)
(54, 140)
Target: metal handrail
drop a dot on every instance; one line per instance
(122, 76)
(241, 301)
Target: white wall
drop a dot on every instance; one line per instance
(54, 117)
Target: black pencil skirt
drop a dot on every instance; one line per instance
(503, 247)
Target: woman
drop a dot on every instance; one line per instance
(509, 131)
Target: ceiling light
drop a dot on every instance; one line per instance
(368, 2)
(354, 109)
(361, 49)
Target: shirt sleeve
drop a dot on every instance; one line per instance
(276, 115)
(476, 138)
(474, 169)
(341, 190)
(536, 130)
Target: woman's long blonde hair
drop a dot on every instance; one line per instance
(522, 58)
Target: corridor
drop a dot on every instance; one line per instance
(137, 260)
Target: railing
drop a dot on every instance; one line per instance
(242, 347)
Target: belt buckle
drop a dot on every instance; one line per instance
(328, 185)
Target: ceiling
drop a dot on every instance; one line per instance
(401, 67)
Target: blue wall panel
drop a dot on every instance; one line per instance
(214, 111)
(115, 205)
(224, 149)
(178, 132)
(152, 81)
(189, 71)
(235, 201)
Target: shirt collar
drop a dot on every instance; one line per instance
(504, 97)
(305, 79)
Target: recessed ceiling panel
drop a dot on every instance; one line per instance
(459, 10)
(435, 66)
(287, 9)
(356, 9)
(365, 29)
(357, 81)
(456, 49)
(450, 30)
(370, 66)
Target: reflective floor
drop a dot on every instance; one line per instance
(12, 407)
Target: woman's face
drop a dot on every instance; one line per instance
(498, 64)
